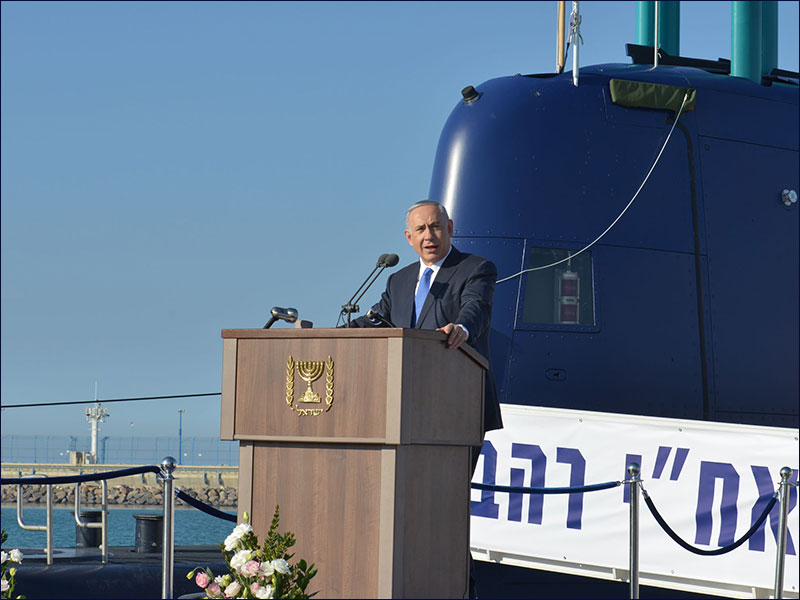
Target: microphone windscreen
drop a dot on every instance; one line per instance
(382, 260)
(392, 260)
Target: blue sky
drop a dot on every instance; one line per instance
(173, 169)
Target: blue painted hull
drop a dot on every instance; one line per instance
(689, 305)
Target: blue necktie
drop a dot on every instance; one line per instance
(422, 293)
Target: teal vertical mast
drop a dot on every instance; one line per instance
(645, 19)
(669, 25)
(746, 40)
(769, 36)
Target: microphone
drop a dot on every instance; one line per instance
(284, 314)
(384, 260)
(375, 315)
(389, 260)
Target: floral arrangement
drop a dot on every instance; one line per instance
(9, 575)
(257, 572)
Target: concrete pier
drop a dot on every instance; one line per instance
(213, 484)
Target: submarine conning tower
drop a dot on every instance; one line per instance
(687, 306)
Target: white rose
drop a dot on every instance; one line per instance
(264, 591)
(261, 591)
(239, 559)
(4, 585)
(281, 566)
(3, 556)
(233, 539)
(266, 569)
(16, 556)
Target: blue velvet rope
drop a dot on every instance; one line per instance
(79, 478)
(725, 549)
(540, 490)
(206, 508)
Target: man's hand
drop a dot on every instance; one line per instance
(455, 335)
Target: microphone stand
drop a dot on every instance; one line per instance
(352, 304)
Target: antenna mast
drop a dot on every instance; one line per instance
(95, 416)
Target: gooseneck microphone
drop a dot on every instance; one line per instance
(377, 317)
(391, 260)
(384, 260)
(284, 314)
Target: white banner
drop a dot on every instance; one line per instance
(709, 481)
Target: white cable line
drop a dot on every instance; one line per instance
(685, 97)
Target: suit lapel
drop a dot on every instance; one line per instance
(401, 314)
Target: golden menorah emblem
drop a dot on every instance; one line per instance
(309, 371)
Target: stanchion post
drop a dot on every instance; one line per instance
(49, 533)
(167, 547)
(780, 560)
(634, 469)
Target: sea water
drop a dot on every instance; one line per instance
(192, 527)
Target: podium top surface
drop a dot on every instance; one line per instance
(355, 333)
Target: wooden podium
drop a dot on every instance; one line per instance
(363, 437)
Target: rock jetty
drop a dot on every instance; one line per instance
(119, 495)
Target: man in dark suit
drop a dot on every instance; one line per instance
(447, 290)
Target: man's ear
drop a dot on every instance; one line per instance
(450, 227)
(408, 237)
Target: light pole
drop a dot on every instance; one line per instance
(131, 442)
(180, 435)
(103, 449)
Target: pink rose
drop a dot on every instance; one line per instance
(202, 579)
(213, 590)
(233, 589)
(250, 568)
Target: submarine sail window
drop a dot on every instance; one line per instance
(558, 295)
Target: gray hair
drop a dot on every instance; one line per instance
(416, 205)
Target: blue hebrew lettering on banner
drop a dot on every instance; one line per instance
(538, 467)
(709, 473)
(487, 507)
(577, 477)
(677, 466)
(709, 481)
(766, 487)
(661, 462)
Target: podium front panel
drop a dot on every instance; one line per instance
(349, 389)
(351, 386)
(378, 521)
(329, 497)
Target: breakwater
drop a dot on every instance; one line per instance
(214, 485)
(118, 495)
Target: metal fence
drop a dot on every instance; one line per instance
(119, 450)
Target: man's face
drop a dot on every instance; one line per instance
(429, 233)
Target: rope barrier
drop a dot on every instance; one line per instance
(79, 478)
(540, 490)
(725, 549)
(206, 508)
